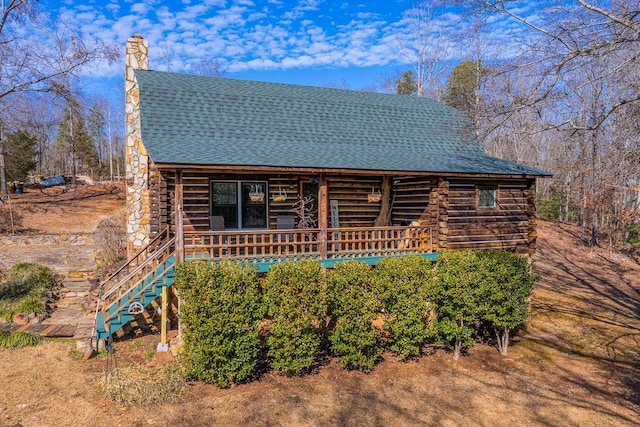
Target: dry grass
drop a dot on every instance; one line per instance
(132, 386)
(111, 239)
(10, 218)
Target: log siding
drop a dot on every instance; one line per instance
(508, 226)
(448, 206)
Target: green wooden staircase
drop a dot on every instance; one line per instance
(135, 285)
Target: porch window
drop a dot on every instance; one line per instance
(487, 197)
(238, 204)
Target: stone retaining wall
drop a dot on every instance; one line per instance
(47, 239)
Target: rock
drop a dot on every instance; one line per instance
(176, 347)
(77, 275)
(21, 318)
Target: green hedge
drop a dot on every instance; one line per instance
(504, 293)
(354, 305)
(475, 287)
(306, 311)
(458, 274)
(406, 290)
(221, 312)
(295, 295)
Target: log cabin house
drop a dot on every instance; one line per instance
(218, 168)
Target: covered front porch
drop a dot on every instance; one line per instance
(325, 239)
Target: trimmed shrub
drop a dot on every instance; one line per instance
(221, 313)
(353, 306)
(224, 309)
(504, 293)
(406, 289)
(295, 296)
(458, 274)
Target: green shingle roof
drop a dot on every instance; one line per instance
(218, 121)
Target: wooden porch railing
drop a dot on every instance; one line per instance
(277, 245)
(123, 274)
(378, 241)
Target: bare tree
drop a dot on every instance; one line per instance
(30, 65)
(564, 100)
(208, 67)
(564, 38)
(424, 47)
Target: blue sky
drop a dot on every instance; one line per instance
(314, 42)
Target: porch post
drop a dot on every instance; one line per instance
(178, 199)
(163, 347)
(179, 224)
(323, 214)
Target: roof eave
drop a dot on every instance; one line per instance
(324, 170)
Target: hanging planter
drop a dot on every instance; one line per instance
(375, 196)
(280, 196)
(256, 195)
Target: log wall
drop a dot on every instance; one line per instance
(354, 207)
(410, 198)
(510, 225)
(157, 193)
(448, 206)
(350, 192)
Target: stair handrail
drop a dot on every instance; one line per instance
(136, 295)
(164, 234)
(161, 251)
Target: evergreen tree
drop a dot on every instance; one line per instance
(406, 83)
(463, 87)
(74, 140)
(20, 154)
(96, 124)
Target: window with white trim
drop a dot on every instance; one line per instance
(242, 204)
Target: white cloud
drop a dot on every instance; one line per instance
(140, 8)
(260, 34)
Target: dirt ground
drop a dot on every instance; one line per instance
(67, 209)
(576, 363)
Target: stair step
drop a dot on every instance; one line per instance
(146, 292)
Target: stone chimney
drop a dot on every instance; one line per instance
(137, 170)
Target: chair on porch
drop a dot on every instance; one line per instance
(216, 223)
(286, 222)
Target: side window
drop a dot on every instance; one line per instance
(254, 205)
(487, 197)
(224, 202)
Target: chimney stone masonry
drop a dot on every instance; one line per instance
(137, 169)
